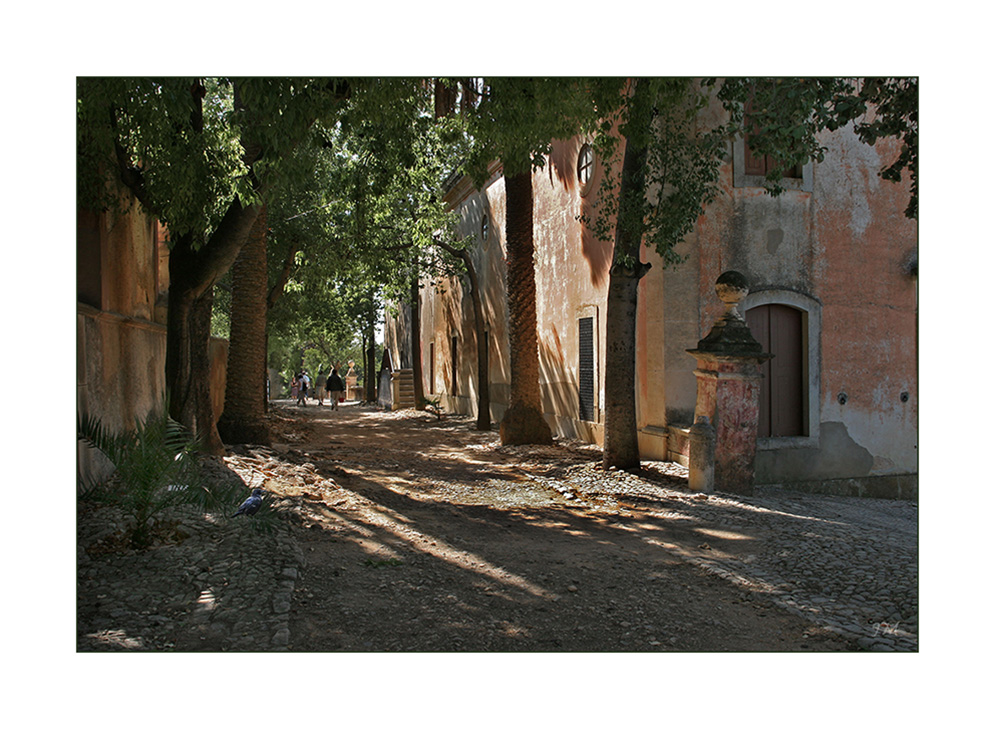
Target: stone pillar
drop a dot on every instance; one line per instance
(701, 456)
(728, 374)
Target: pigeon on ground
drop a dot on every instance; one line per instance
(251, 505)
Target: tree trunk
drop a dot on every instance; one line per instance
(188, 366)
(371, 385)
(370, 380)
(523, 423)
(621, 447)
(483, 365)
(416, 359)
(245, 389)
(192, 274)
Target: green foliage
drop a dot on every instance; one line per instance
(156, 469)
(681, 171)
(786, 115)
(433, 405)
(517, 118)
(190, 169)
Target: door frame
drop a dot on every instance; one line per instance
(811, 355)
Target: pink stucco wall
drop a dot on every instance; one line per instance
(838, 248)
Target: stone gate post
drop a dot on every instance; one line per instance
(728, 375)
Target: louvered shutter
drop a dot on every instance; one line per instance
(585, 368)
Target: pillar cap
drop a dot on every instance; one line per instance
(730, 338)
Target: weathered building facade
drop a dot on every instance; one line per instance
(831, 266)
(122, 279)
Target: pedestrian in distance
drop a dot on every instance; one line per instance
(295, 386)
(302, 390)
(319, 387)
(336, 388)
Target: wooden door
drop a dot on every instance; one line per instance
(778, 328)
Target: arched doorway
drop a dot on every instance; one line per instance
(781, 329)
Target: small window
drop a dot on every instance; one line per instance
(88, 283)
(762, 165)
(485, 227)
(585, 168)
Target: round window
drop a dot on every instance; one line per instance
(585, 168)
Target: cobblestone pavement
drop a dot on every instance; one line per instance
(849, 564)
(846, 564)
(225, 584)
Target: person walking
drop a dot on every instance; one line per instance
(319, 387)
(336, 388)
(295, 386)
(302, 392)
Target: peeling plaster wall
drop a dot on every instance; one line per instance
(843, 246)
(838, 244)
(121, 347)
(571, 283)
(571, 269)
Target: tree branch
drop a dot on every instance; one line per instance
(130, 174)
(281, 282)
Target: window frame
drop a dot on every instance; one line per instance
(586, 185)
(740, 179)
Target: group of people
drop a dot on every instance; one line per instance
(333, 385)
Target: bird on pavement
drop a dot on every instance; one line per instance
(251, 505)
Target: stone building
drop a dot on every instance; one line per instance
(831, 266)
(122, 279)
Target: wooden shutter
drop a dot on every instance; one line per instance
(585, 368)
(753, 164)
(431, 368)
(455, 364)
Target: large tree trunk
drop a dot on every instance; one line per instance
(483, 366)
(192, 274)
(370, 379)
(245, 390)
(188, 367)
(621, 447)
(523, 423)
(416, 358)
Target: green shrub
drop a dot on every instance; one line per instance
(156, 469)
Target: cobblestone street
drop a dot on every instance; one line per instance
(849, 564)
(846, 567)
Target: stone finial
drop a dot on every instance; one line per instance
(730, 336)
(732, 287)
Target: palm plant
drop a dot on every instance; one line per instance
(156, 469)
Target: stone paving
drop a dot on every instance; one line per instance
(846, 563)
(226, 584)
